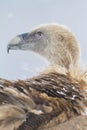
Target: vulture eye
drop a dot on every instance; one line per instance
(38, 34)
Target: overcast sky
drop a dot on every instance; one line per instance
(18, 16)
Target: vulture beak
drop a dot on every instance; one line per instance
(17, 42)
(14, 44)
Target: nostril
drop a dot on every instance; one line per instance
(24, 36)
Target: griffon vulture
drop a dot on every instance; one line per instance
(54, 96)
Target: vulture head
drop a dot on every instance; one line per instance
(54, 42)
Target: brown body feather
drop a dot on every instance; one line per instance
(40, 102)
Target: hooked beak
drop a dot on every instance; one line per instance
(14, 44)
(17, 42)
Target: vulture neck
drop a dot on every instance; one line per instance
(58, 56)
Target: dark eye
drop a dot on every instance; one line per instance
(38, 34)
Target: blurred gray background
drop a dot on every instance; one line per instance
(18, 16)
